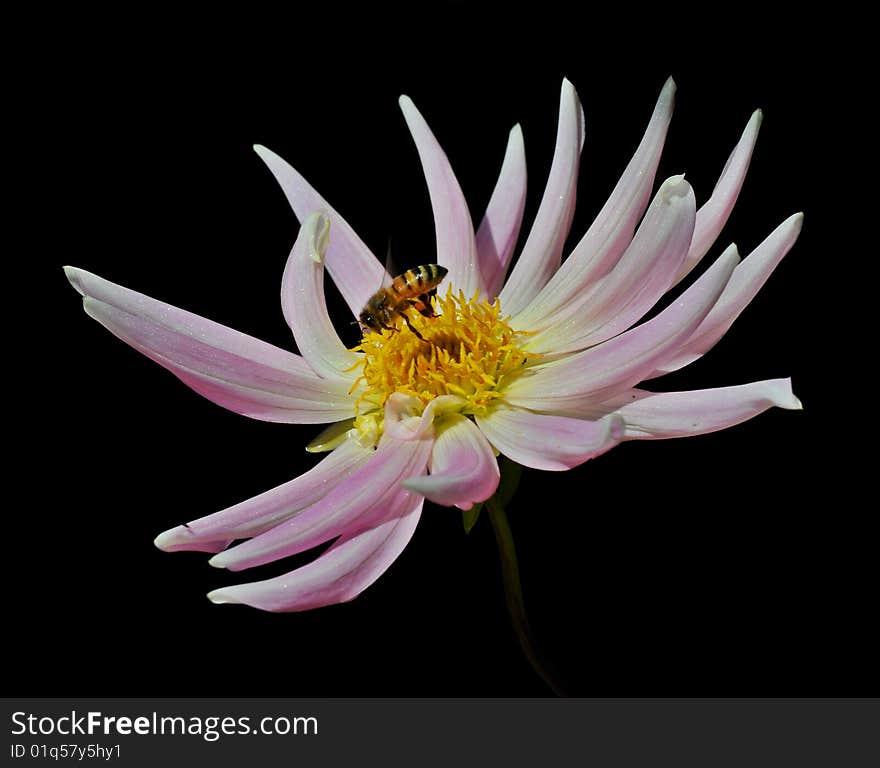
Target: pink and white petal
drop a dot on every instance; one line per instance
(252, 517)
(353, 267)
(611, 231)
(744, 284)
(463, 466)
(654, 416)
(713, 214)
(304, 305)
(496, 238)
(549, 442)
(641, 277)
(456, 246)
(369, 495)
(235, 370)
(603, 371)
(340, 574)
(542, 252)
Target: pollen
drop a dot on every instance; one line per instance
(466, 349)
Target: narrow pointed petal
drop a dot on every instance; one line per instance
(641, 277)
(745, 282)
(612, 230)
(553, 443)
(713, 214)
(542, 252)
(499, 230)
(304, 305)
(603, 371)
(654, 416)
(340, 574)
(252, 517)
(463, 467)
(235, 370)
(371, 494)
(456, 247)
(353, 267)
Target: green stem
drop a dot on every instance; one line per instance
(513, 590)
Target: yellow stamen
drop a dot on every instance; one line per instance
(468, 349)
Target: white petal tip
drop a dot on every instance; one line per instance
(74, 275)
(790, 229)
(218, 598)
(674, 187)
(785, 397)
(569, 100)
(731, 252)
(668, 91)
(516, 132)
(217, 561)
(265, 153)
(756, 119)
(167, 539)
(411, 113)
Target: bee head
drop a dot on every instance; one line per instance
(368, 320)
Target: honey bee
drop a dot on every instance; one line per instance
(411, 289)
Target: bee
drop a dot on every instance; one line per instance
(411, 289)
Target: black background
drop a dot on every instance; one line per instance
(730, 564)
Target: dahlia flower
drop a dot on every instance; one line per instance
(541, 366)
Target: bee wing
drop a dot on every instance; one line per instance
(390, 272)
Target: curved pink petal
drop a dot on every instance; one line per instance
(639, 279)
(353, 267)
(496, 238)
(456, 247)
(463, 467)
(340, 574)
(653, 416)
(252, 517)
(372, 493)
(745, 282)
(235, 370)
(713, 214)
(304, 305)
(552, 443)
(598, 373)
(542, 252)
(613, 228)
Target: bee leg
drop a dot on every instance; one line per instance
(410, 326)
(423, 304)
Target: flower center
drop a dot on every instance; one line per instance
(467, 349)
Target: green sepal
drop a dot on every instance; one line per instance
(331, 437)
(470, 516)
(510, 475)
